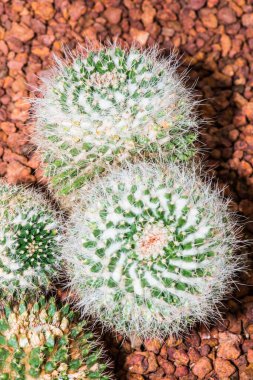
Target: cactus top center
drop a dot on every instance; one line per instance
(152, 240)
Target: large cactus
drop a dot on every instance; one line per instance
(30, 233)
(108, 105)
(152, 251)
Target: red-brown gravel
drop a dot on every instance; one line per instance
(216, 37)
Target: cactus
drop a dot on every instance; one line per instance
(30, 234)
(39, 340)
(153, 250)
(108, 105)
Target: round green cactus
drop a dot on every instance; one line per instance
(38, 340)
(109, 105)
(152, 251)
(30, 233)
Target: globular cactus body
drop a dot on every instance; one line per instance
(152, 252)
(107, 106)
(39, 340)
(30, 234)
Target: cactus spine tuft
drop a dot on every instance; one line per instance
(153, 250)
(107, 106)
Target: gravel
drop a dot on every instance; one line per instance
(216, 39)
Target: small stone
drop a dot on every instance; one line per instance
(247, 374)
(43, 9)
(137, 363)
(77, 9)
(193, 354)
(181, 357)
(166, 365)
(228, 70)
(226, 16)
(139, 36)
(233, 135)
(134, 376)
(250, 355)
(149, 13)
(141, 362)
(202, 367)
(153, 345)
(181, 371)
(239, 100)
(248, 110)
(229, 345)
(225, 44)
(196, 4)
(247, 344)
(47, 39)
(171, 352)
(212, 342)
(224, 368)
(21, 32)
(244, 169)
(247, 19)
(41, 51)
(9, 156)
(8, 127)
(205, 350)
(193, 339)
(34, 161)
(15, 66)
(208, 18)
(18, 173)
(3, 114)
(113, 15)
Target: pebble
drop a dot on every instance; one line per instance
(196, 4)
(139, 36)
(224, 368)
(226, 16)
(113, 15)
(202, 367)
(208, 18)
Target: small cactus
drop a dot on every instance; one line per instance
(109, 105)
(29, 241)
(39, 340)
(153, 250)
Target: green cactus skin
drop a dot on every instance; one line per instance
(109, 105)
(38, 340)
(153, 250)
(30, 233)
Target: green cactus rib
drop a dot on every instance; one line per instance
(41, 341)
(30, 233)
(152, 250)
(109, 105)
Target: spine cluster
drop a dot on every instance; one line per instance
(39, 340)
(147, 256)
(107, 106)
(30, 234)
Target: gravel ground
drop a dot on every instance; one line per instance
(216, 39)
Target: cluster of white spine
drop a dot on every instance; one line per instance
(30, 234)
(152, 251)
(109, 105)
